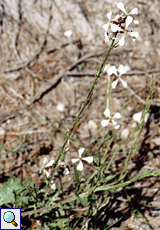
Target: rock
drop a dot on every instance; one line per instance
(137, 117)
(125, 133)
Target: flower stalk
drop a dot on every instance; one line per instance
(109, 91)
(84, 104)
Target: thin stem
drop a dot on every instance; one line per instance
(109, 91)
(135, 145)
(84, 104)
(149, 173)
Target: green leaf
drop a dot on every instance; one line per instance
(59, 223)
(99, 158)
(84, 201)
(107, 138)
(22, 199)
(76, 176)
(110, 177)
(6, 197)
(9, 189)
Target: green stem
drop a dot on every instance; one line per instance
(135, 145)
(108, 187)
(85, 103)
(109, 92)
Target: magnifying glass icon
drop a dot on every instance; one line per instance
(9, 217)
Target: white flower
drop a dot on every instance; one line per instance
(81, 159)
(134, 35)
(110, 69)
(106, 37)
(104, 123)
(121, 70)
(66, 170)
(114, 27)
(128, 20)
(120, 5)
(46, 166)
(117, 72)
(120, 24)
(110, 34)
(53, 185)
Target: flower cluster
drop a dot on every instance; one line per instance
(116, 73)
(113, 29)
(120, 24)
(47, 166)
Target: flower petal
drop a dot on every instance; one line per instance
(117, 115)
(47, 173)
(134, 34)
(80, 166)
(45, 161)
(80, 151)
(115, 124)
(112, 70)
(122, 40)
(109, 15)
(123, 69)
(106, 37)
(66, 171)
(124, 83)
(107, 67)
(134, 11)
(53, 185)
(105, 26)
(75, 160)
(116, 18)
(114, 83)
(115, 28)
(120, 5)
(88, 159)
(104, 123)
(50, 163)
(128, 21)
(127, 68)
(107, 113)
